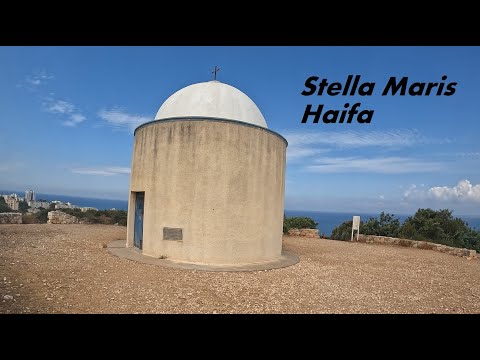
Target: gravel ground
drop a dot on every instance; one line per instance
(65, 269)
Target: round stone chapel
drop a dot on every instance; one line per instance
(207, 180)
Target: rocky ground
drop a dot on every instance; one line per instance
(66, 269)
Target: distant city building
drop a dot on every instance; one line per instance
(62, 205)
(30, 195)
(39, 204)
(12, 202)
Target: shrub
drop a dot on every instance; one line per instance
(438, 226)
(384, 225)
(3, 206)
(298, 223)
(42, 216)
(441, 227)
(39, 217)
(343, 231)
(107, 217)
(23, 206)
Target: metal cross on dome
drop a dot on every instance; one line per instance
(214, 72)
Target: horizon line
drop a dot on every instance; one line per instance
(285, 209)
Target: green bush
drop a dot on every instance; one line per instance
(384, 225)
(344, 231)
(298, 223)
(3, 206)
(441, 227)
(438, 226)
(42, 216)
(23, 206)
(39, 217)
(107, 217)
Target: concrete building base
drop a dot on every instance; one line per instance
(118, 248)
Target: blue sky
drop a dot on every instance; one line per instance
(67, 116)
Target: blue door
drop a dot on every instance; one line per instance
(138, 227)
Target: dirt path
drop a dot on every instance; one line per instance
(64, 269)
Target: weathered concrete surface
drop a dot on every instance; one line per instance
(309, 233)
(10, 218)
(222, 183)
(469, 254)
(59, 217)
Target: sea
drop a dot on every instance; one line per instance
(326, 220)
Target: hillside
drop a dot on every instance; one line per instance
(66, 269)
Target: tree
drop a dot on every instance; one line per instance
(441, 227)
(385, 225)
(3, 205)
(42, 216)
(23, 206)
(107, 217)
(298, 223)
(343, 231)
(430, 225)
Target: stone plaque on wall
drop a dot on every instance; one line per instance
(172, 233)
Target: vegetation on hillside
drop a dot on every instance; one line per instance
(107, 217)
(344, 231)
(298, 223)
(23, 206)
(39, 217)
(3, 206)
(438, 226)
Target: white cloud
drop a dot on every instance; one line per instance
(413, 192)
(307, 144)
(298, 152)
(53, 105)
(463, 191)
(74, 120)
(59, 107)
(63, 107)
(33, 81)
(353, 139)
(105, 171)
(381, 197)
(385, 165)
(119, 119)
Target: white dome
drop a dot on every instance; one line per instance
(211, 99)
